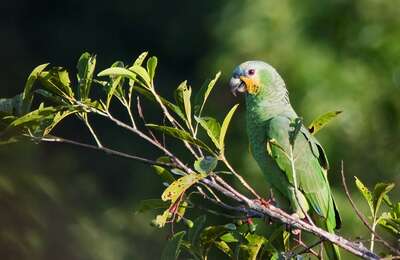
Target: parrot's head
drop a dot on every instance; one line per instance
(257, 79)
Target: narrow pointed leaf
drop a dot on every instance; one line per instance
(224, 127)
(151, 67)
(366, 193)
(128, 73)
(321, 121)
(27, 95)
(203, 93)
(85, 66)
(182, 97)
(212, 127)
(380, 191)
(180, 134)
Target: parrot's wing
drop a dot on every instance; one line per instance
(310, 176)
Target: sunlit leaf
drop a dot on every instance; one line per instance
(224, 127)
(203, 93)
(151, 67)
(180, 134)
(321, 121)
(27, 95)
(212, 127)
(57, 82)
(151, 204)
(366, 194)
(172, 249)
(224, 247)
(380, 190)
(182, 97)
(115, 86)
(178, 187)
(205, 165)
(128, 73)
(85, 66)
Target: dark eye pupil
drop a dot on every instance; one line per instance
(251, 72)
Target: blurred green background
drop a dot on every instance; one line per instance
(62, 202)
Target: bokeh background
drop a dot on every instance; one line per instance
(62, 202)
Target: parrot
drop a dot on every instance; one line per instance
(295, 170)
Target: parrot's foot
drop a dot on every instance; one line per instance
(295, 231)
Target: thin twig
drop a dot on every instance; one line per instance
(362, 217)
(306, 248)
(106, 150)
(241, 179)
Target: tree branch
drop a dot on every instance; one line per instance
(106, 150)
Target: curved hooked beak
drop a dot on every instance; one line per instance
(237, 85)
(240, 84)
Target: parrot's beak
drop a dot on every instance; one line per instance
(237, 85)
(243, 84)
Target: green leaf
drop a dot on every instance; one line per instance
(203, 93)
(296, 125)
(86, 65)
(251, 249)
(151, 204)
(179, 134)
(173, 247)
(56, 81)
(380, 190)
(128, 73)
(321, 121)
(224, 127)
(182, 97)
(212, 233)
(212, 127)
(205, 165)
(224, 247)
(193, 234)
(162, 172)
(27, 95)
(139, 60)
(115, 86)
(151, 67)
(366, 194)
(39, 122)
(178, 187)
(391, 222)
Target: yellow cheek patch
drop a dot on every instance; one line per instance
(251, 86)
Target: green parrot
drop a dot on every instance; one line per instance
(300, 187)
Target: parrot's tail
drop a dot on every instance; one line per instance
(332, 250)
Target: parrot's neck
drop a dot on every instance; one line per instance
(260, 109)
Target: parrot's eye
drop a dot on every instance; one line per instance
(251, 72)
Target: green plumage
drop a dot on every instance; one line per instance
(270, 119)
